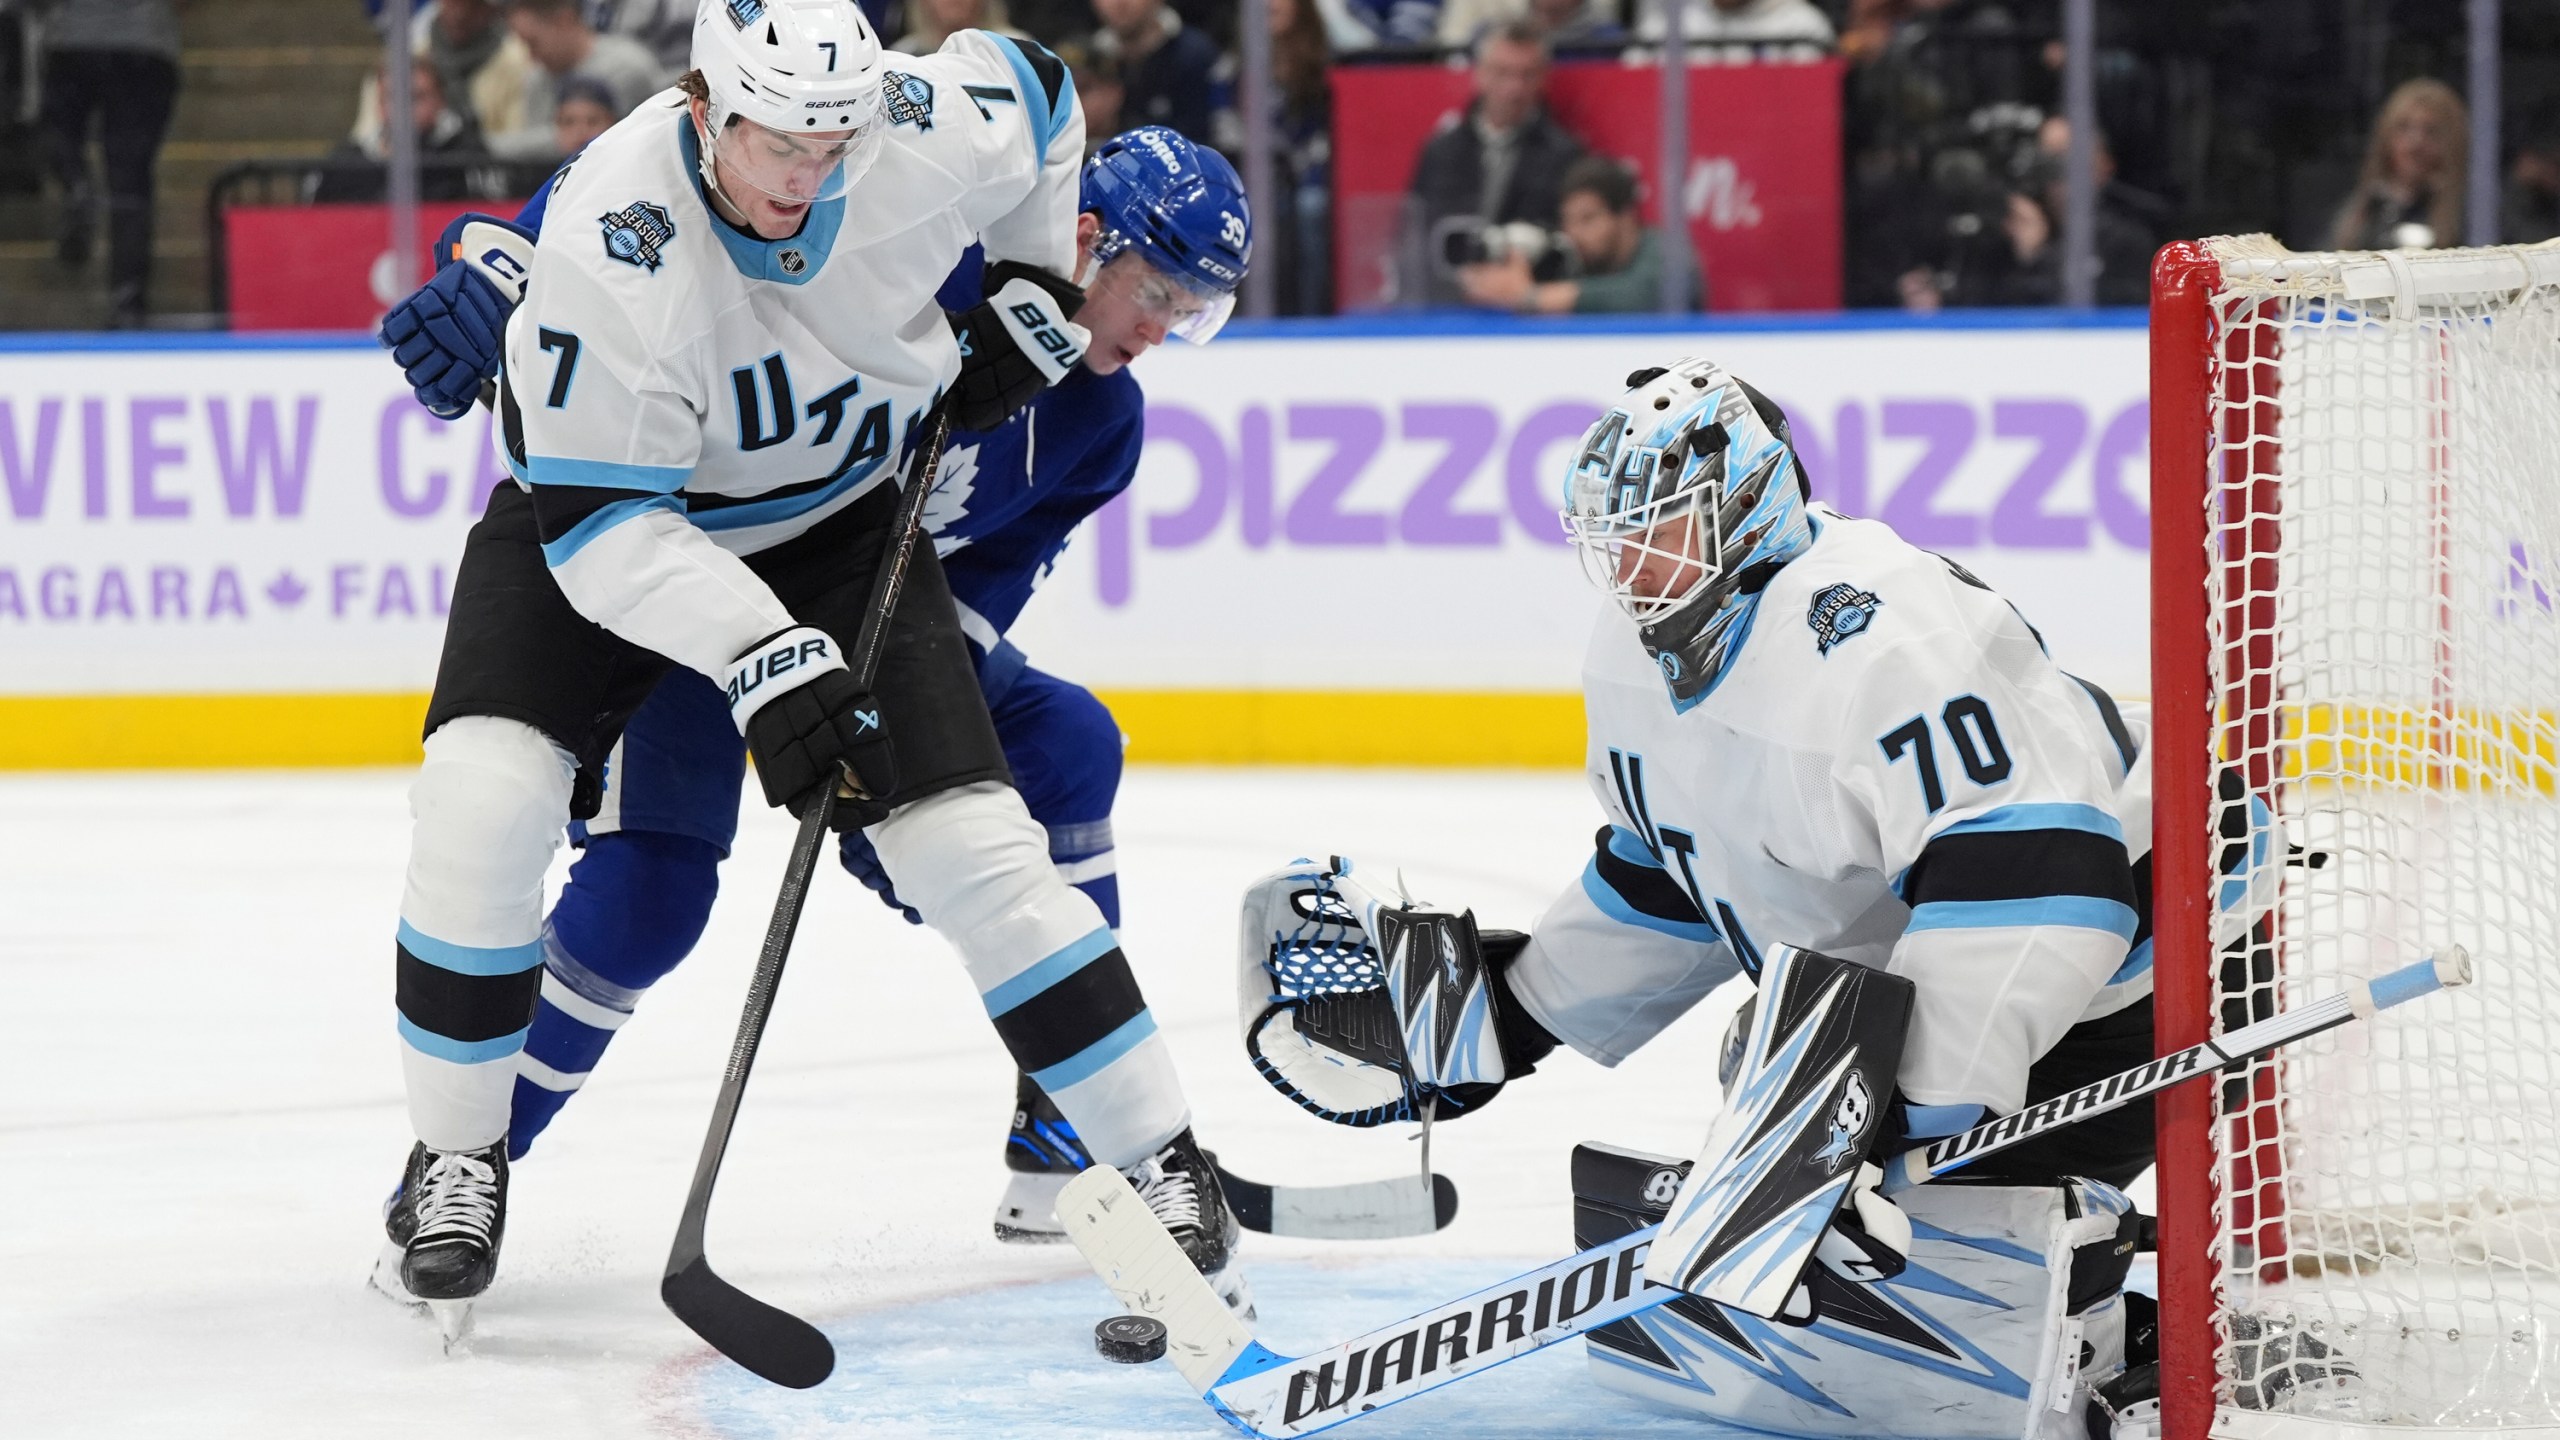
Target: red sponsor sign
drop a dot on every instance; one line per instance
(324, 267)
(1762, 193)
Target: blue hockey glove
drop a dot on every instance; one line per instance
(864, 863)
(448, 334)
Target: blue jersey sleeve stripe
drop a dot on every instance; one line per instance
(2136, 961)
(606, 474)
(461, 1052)
(1928, 1122)
(1058, 966)
(1614, 906)
(556, 553)
(1044, 119)
(1624, 844)
(1094, 1058)
(2081, 912)
(2041, 817)
(470, 959)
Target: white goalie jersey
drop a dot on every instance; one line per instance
(1892, 772)
(678, 393)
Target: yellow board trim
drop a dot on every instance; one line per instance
(1215, 727)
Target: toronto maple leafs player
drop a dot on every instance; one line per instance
(701, 397)
(1164, 236)
(1807, 735)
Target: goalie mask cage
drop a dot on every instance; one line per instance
(2356, 673)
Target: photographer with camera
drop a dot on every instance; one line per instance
(1613, 260)
(1500, 163)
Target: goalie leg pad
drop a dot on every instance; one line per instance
(2005, 1317)
(1805, 1109)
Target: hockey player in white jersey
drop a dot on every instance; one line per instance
(728, 338)
(1807, 735)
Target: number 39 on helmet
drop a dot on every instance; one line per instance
(1180, 207)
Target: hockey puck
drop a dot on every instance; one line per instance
(1130, 1339)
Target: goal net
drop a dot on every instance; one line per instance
(2356, 652)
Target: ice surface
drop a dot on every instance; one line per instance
(200, 1114)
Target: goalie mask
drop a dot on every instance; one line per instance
(1682, 502)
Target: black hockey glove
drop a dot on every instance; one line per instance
(1018, 342)
(805, 720)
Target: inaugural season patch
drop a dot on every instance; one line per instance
(637, 234)
(1840, 611)
(909, 99)
(743, 13)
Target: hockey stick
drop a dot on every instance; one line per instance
(1271, 1396)
(1369, 1210)
(774, 1343)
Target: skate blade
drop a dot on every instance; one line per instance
(385, 1280)
(1234, 1289)
(1028, 1213)
(453, 1321)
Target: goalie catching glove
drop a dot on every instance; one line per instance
(1363, 1012)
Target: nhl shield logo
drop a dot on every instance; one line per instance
(637, 234)
(908, 98)
(791, 261)
(1840, 611)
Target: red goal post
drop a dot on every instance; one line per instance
(2356, 732)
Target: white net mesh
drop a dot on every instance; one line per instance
(2384, 574)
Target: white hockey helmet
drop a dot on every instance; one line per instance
(798, 67)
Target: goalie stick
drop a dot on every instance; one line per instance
(1369, 1210)
(773, 1343)
(1273, 1396)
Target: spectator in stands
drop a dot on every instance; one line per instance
(663, 27)
(1098, 86)
(1568, 24)
(1054, 23)
(1618, 256)
(1299, 250)
(2409, 196)
(1393, 24)
(930, 22)
(117, 61)
(2532, 209)
(585, 112)
(1502, 160)
(1167, 70)
(482, 69)
(2132, 223)
(1739, 22)
(447, 143)
(563, 46)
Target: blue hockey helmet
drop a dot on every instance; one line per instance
(1683, 500)
(1180, 206)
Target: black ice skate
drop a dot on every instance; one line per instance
(1182, 1191)
(447, 1217)
(1042, 1154)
